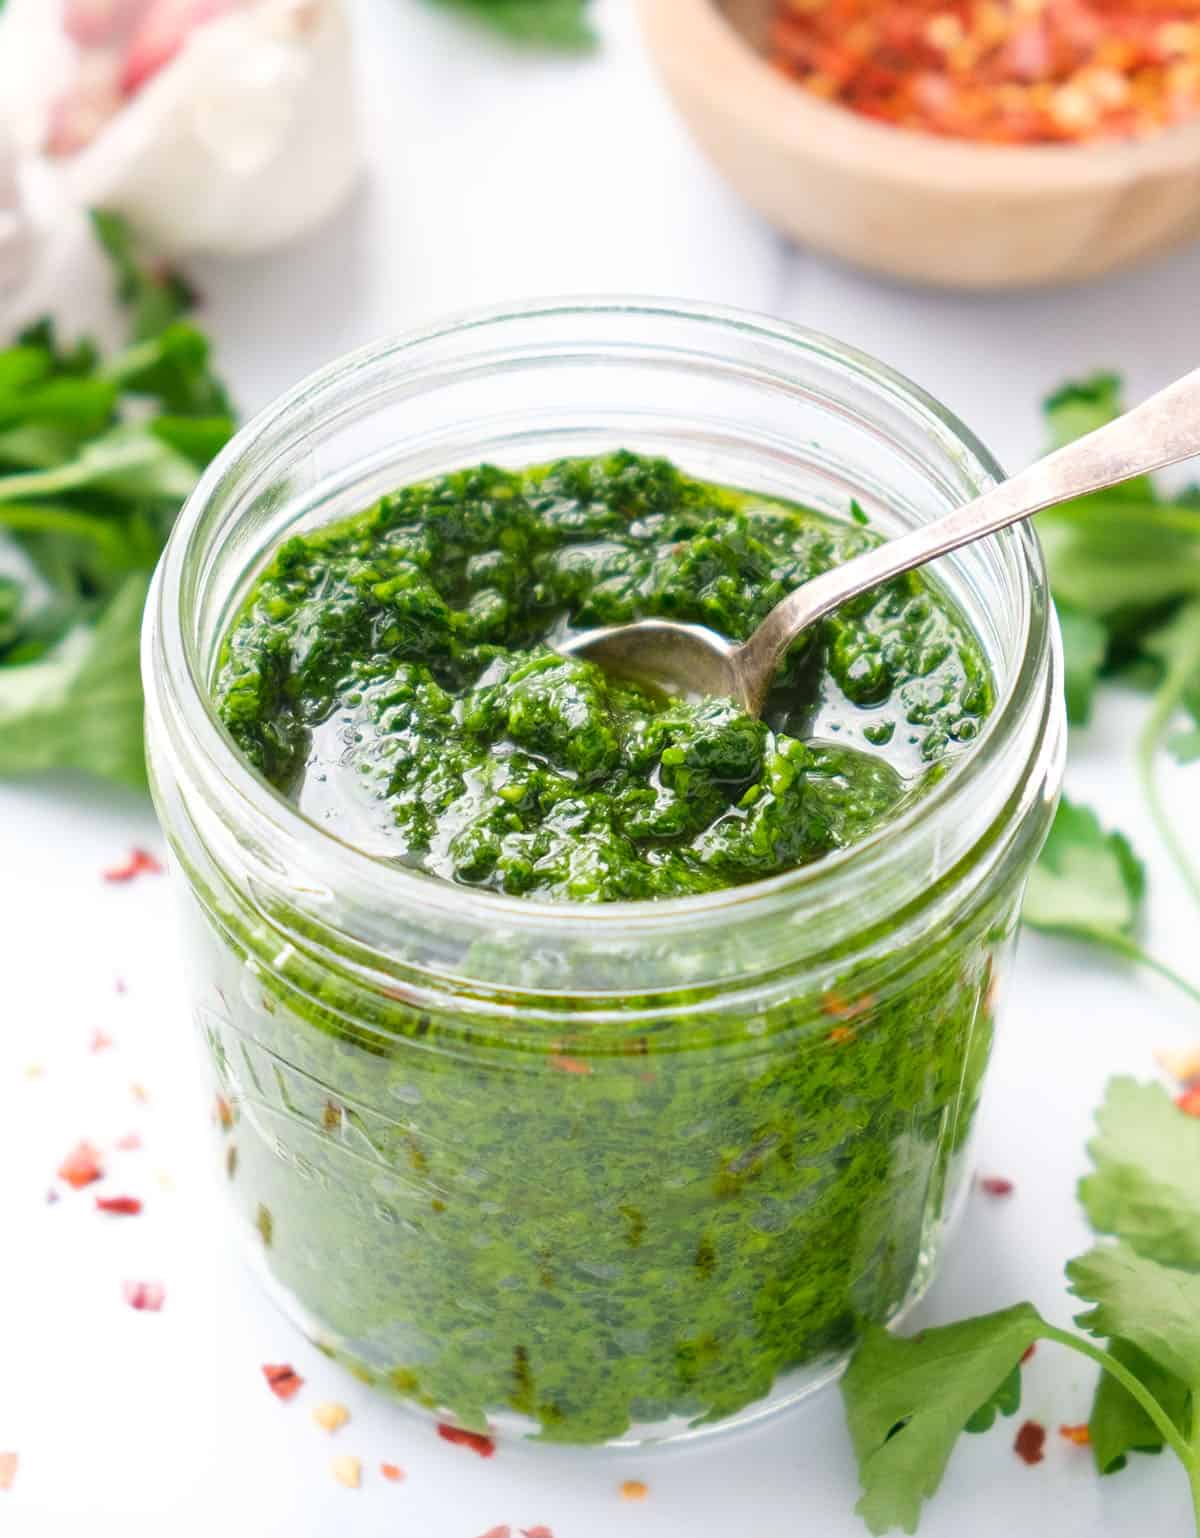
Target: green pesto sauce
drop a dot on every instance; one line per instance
(586, 1227)
(395, 674)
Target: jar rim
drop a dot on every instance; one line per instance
(170, 654)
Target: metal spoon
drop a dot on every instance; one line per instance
(692, 659)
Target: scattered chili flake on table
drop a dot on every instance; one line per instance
(1080, 1435)
(634, 1490)
(129, 1142)
(144, 1296)
(1180, 1063)
(998, 71)
(282, 1379)
(392, 1471)
(1031, 1439)
(536, 1532)
(123, 1206)
(475, 1440)
(81, 1166)
(140, 863)
(996, 1185)
(329, 1416)
(347, 1471)
(100, 1040)
(8, 1470)
(1189, 1101)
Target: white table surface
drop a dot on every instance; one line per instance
(495, 175)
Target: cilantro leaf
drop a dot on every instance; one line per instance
(1145, 1187)
(1118, 1424)
(81, 706)
(544, 23)
(1085, 646)
(908, 1401)
(1086, 883)
(1154, 1307)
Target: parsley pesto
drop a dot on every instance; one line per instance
(395, 675)
(493, 1203)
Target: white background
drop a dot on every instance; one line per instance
(495, 175)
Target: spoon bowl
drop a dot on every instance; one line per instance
(693, 660)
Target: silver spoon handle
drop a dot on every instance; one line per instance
(1161, 431)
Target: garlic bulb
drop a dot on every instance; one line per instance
(214, 125)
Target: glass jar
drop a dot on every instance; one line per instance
(597, 1173)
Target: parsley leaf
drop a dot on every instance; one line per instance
(544, 23)
(1145, 1186)
(1086, 883)
(95, 460)
(1118, 1424)
(908, 1401)
(1154, 1307)
(1085, 646)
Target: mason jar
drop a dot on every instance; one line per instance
(598, 1173)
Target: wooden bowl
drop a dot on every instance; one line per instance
(916, 206)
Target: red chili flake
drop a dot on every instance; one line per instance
(129, 1142)
(1031, 1439)
(140, 863)
(147, 1296)
(392, 1471)
(569, 1064)
(996, 1185)
(536, 1532)
(1080, 1435)
(1189, 1101)
(81, 1166)
(100, 1040)
(475, 1440)
(283, 1380)
(842, 1008)
(1028, 1352)
(224, 1113)
(124, 1206)
(634, 1490)
(8, 1470)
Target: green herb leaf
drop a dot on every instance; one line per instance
(1154, 1307)
(1146, 1184)
(1085, 645)
(908, 1401)
(1086, 883)
(1176, 646)
(81, 706)
(1118, 1424)
(155, 295)
(542, 23)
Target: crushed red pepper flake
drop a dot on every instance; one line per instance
(224, 1112)
(140, 863)
(129, 1142)
(536, 1532)
(123, 1206)
(100, 1041)
(1189, 1101)
(634, 1490)
(1028, 1352)
(842, 1008)
(282, 1379)
(996, 1185)
(1002, 72)
(1080, 1434)
(8, 1469)
(1030, 1442)
(147, 1297)
(569, 1064)
(81, 1166)
(392, 1471)
(475, 1440)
